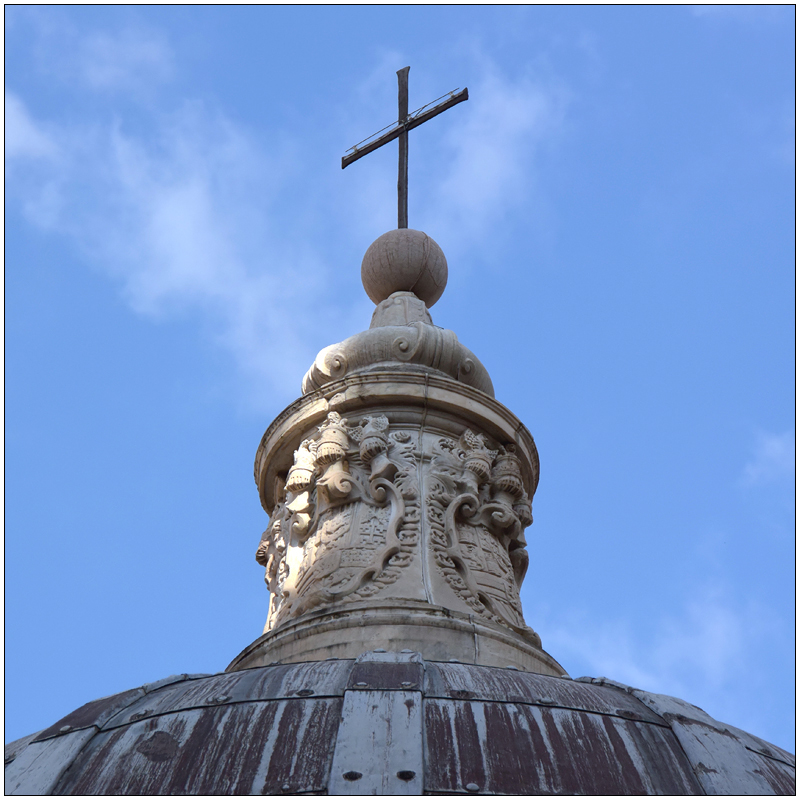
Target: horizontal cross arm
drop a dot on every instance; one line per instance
(455, 99)
(410, 124)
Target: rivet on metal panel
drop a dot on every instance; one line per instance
(65, 728)
(406, 651)
(511, 666)
(546, 701)
(461, 694)
(624, 712)
(140, 715)
(304, 692)
(378, 650)
(285, 787)
(223, 698)
(472, 787)
(351, 776)
(406, 775)
(454, 661)
(406, 684)
(361, 684)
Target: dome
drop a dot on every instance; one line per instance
(392, 723)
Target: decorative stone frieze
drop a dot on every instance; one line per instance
(475, 534)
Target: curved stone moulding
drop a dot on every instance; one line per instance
(417, 343)
(435, 632)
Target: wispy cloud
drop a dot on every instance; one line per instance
(182, 222)
(747, 14)
(772, 461)
(192, 214)
(124, 60)
(491, 168)
(133, 58)
(479, 172)
(699, 651)
(24, 139)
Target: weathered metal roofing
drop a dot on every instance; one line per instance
(391, 723)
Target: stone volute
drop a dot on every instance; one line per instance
(398, 492)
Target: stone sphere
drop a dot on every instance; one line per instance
(404, 260)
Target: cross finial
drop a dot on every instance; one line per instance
(399, 130)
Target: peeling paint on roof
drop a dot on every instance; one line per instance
(392, 724)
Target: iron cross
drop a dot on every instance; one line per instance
(399, 130)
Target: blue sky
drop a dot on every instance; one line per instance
(616, 203)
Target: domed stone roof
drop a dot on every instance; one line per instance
(392, 723)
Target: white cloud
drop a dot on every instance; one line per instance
(477, 173)
(183, 222)
(491, 168)
(23, 137)
(134, 58)
(123, 60)
(191, 214)
(773, 459)
(701, 650)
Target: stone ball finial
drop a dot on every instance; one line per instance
(404, 260)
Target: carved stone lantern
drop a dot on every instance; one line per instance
(410, 533)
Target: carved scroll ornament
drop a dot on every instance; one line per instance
(347, 524)
(477, 510)
(416, 343)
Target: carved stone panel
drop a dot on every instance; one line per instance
(476, 509)
(353, 522)
(347, 524)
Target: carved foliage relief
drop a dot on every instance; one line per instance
(477, 510)
(349, 520)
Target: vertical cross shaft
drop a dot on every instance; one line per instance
(399, 130)
(402, 167)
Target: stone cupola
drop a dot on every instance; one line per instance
(398, 491)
